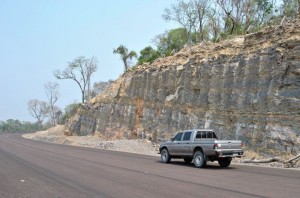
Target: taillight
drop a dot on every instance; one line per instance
(215, 146)
(242, 145)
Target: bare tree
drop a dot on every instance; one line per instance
(58, 113)
(228, 8)
(51, 89)
(38, 109)
(201, 7)
(80, 70)
(214, 26)
(100, 87)
(183, 13)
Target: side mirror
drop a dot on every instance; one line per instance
(172, 139)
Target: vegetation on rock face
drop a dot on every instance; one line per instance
(211, 19)
(100, 87)
(70, 110)
(148, 55)
(202, 20)
(172, 41)
(125, 55)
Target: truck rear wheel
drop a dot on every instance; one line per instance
(199, 159)
(225, 162)
(165, 156)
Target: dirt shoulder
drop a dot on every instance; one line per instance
(56, 135)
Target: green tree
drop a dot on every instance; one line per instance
(172, 41)
(185, 14)
(16, 126)
(148, 54)
(70, 110)
(80, 71)
(125, 55)
(290, 8)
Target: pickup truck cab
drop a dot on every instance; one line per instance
(200, 145)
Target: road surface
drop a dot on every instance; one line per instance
(37, 169)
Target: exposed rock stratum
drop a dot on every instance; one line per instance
(246, 88)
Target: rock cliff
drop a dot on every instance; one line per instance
(246, 88)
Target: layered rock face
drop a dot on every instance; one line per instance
(246, 88)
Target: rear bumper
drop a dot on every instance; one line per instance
(232, 153)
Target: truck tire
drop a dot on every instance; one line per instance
(165, 156)
(199, 159)
(188, 160)
(225, 162)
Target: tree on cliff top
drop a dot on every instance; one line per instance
(290, 8)
(125, 55)
(172, 41)
(80, 70)
(191, 15)
(148, 54)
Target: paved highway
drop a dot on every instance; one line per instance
(37, 169)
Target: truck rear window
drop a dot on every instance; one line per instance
(206, 135)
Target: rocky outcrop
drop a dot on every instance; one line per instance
(246, 88)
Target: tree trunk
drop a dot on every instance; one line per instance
(274, 159)
(298, 9)
(83, 96)
(290, 160)
(201, 29)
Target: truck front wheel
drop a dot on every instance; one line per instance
(199, 159)
(225, 162)
(165, 156)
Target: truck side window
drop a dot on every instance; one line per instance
(203, 134)
(209, 135)
(178, 137)
(187, 136)
(198, 135)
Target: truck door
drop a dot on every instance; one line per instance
(186, 144)
(175, 146)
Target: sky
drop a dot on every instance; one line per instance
(38, 37)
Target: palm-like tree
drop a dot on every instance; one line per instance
(125, 55)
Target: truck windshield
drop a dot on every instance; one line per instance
(178, 137)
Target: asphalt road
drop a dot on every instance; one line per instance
(37, 169)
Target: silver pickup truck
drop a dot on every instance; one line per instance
(200, 145)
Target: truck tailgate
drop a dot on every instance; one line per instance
(229, 144)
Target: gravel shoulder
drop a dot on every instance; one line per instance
(56, 135)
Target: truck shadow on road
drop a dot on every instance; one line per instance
(210, 165)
